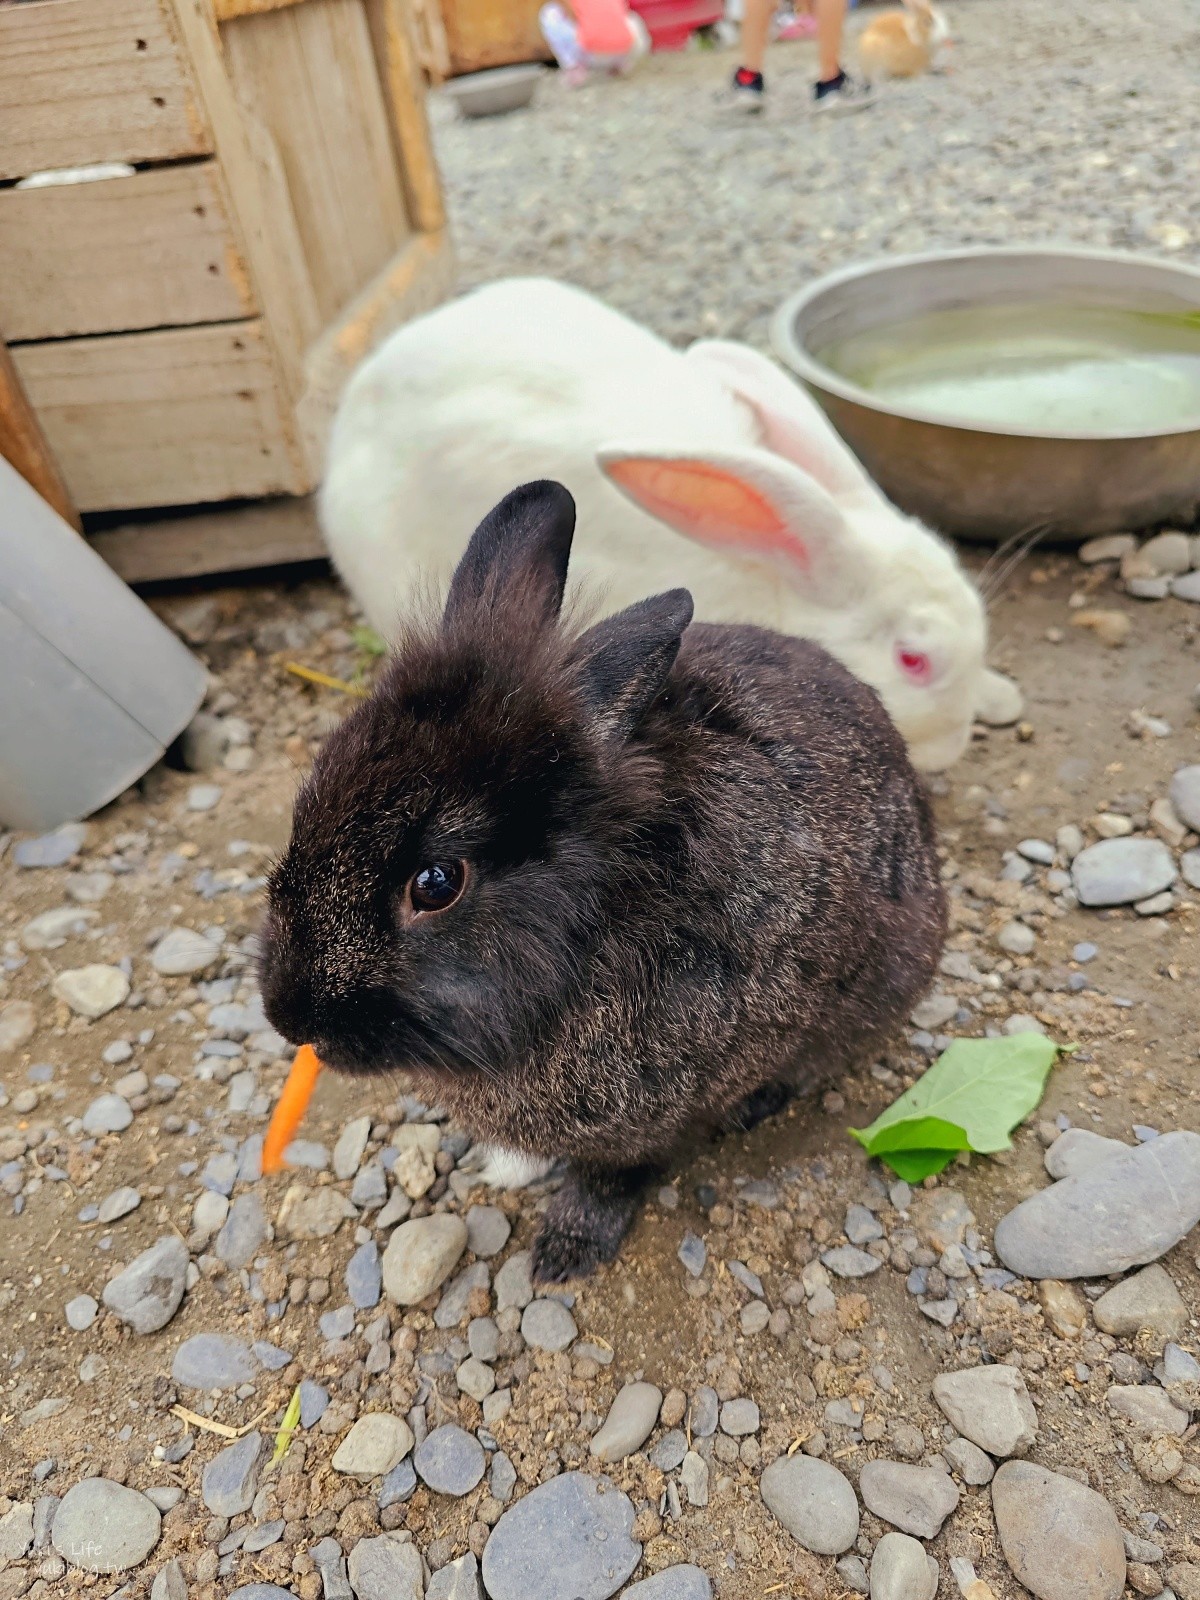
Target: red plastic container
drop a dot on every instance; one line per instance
(671, 23)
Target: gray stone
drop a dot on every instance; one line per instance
(488, 1230)
(1184, 795)
(1078, 1150)
(369, 1189)
(502, 1479)
(314, 1213)
(18, 1024)
(693, 1253)
(849, 1262)
(52, 929)
(739, 1418)
(92, 991)
(813, 1501)
(399, 1485)
(244, 1232)
(203, 796)
(213, 1361)
(450, 1460)
(548, 1325)
(1061, 1539)
(1189, 866)
(263, 1536)
(364, 1276)
(81, 1312)
(1109, 547)
(350, 1148)
(1124, 1213)
(1016, 938)
(375, 1444)
(570, 1537)
(230, 1480)
(16, 1531)
(853, 1572)
(455, 1302)
(388, 1567)
(457, 1580)
(1149, 1301)
(420, 1256)
(514, 1282)
(51, 849)
(169, 1582)
(270, 1355)
(118, 1204)
(901, 1570)
(670, 1450)
(916, 1500)
(861, 1225)
(262, 1591)
(1116, 872)
(108, 1113)
(629, 1423)
(1186, 587)
(147, 1294)
(704, 1412)
(934, 1012)
(102, 1526)
(969, 1461)
(475, 1378)
(314, 1400)
(684, 1582)
(184, 952)
(693, 1475)
(1148, 1409)
(990, 1406)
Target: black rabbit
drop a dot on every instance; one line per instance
(594, 890)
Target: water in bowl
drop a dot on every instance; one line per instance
(1044, 368)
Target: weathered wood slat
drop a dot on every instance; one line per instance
(24, 446)
(269, 534)
(153, 250)
(84, 81)
(174, 417)
(308, 75)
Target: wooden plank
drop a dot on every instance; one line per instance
(308, 74)
(264, 222)
(492, 33)
(166, 418)
(415, 280)
(400, 73)
(272, 533)
(83, 81)
(226, 10)
(24, 445)
(158, 251)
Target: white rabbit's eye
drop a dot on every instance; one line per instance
(437, 886)
(915, 664)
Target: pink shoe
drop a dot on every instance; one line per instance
(801, 27)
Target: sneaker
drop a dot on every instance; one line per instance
(746, 94)
(842, 94)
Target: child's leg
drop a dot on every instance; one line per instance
(562, 35)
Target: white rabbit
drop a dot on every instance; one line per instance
(710, 469)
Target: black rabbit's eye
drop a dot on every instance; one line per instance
(437, 886)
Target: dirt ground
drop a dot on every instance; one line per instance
(1079, 82)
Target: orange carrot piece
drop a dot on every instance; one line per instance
(293, 1103)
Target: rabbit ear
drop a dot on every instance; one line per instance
(518, 555)
(747, 502)
(626, 658)
(792, 423)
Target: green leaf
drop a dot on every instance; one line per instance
(972, 1098)
(368, 641)
(291, 1421)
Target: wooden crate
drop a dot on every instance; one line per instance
(491, 33)
(183, 331)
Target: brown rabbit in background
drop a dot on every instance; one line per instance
(903, 44)
(595, 890)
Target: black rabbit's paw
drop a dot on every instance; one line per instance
(563, 1253)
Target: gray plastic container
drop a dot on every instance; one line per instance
(93, 687)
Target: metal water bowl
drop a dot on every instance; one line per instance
(982, 483)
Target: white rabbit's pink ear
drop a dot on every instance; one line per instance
(792, 423)
(747, 503)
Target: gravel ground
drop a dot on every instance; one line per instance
(1056, 122)
(801, 1378)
